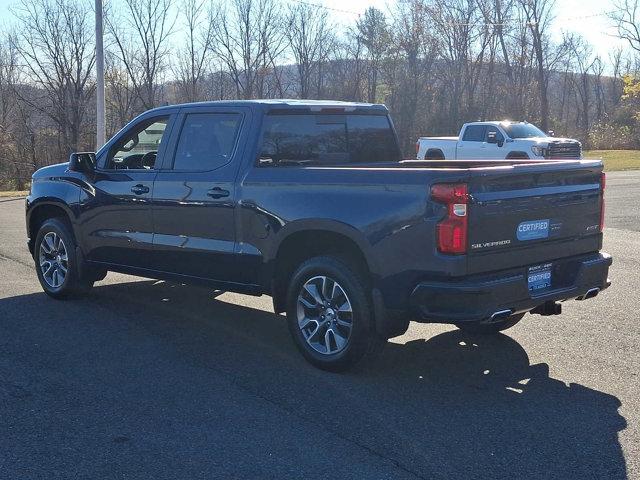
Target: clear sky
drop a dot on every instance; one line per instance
(582, 16)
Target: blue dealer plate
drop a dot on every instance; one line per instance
(533, 229)
(539, 277)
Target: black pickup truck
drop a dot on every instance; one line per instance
(310, 202)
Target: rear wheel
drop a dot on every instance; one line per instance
(330, 315)
(57, 264)
(434, 154)
(490, 328)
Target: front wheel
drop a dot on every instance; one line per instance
(490, 328)
(329, 314)
(56, 261)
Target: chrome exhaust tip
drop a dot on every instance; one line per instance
(499, 315)
(592, 292)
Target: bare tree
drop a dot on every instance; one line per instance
(140, 33)
(309, 37)
(191, 64)
(248, 37)
(539, 17)
(54, 41)
(626, 18)
(417, 49)
(373, 32)
(582, 61)
(464, 38)
(120, 95)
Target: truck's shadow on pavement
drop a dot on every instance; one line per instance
(181, 376)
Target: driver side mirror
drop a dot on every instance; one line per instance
(82, 162)
(492, 137)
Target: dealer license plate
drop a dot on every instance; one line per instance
(539, 277)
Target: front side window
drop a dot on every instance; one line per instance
(293, 139)
(206, 141)
(138, 148)
(474, 133)
(491, 129)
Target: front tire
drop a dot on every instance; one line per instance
(57, 264)
(490, 328)
(330, 314)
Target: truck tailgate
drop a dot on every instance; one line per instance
(524, 217)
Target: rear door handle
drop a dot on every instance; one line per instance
(140, 189)
(217, 192)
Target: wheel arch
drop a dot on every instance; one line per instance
(434, 154)
(306, 239)
(40, 211)
(517, 155)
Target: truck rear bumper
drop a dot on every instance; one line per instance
(478, 297)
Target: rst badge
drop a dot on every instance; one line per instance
(533, 230)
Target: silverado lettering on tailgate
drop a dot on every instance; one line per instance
(497, 243)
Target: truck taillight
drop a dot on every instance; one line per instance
(603, 183)
(417, 147)
(451, 232)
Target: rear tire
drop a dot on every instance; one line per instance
(57, 264)
(434, 154)
(330, 314)
(490, 328)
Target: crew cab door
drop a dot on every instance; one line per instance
(194, 197)
(471, 145)
(116, 221)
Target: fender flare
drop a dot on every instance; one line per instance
(325, 225)
(41, 202)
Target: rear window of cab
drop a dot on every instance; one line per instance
(316, 139)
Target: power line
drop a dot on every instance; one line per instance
(559, 20)
(324, 7)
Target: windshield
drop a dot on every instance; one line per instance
(523, 130)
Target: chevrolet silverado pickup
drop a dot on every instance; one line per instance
(498, 140)
(310, 202)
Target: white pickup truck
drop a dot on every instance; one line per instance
(496, 140)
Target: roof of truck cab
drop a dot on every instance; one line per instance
(496, 122)
(276, 104)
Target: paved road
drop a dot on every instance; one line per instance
(147, 379)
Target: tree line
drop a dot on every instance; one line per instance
(435, 63)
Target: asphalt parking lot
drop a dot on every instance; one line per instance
(146, 379)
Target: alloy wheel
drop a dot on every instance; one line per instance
(53, 259)
(325, 315)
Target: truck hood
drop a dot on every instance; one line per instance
(544, 141)
(51, 171)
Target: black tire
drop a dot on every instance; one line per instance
(362, 338)
(434, 154)
(517, 156)
(73, 284)
(490, 328)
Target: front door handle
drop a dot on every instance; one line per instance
(217, 192)
(140, 189)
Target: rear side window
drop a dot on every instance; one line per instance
(371, 139)
(206, 141)
(474, 133)
(327, 140)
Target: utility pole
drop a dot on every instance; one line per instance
(100, 115)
